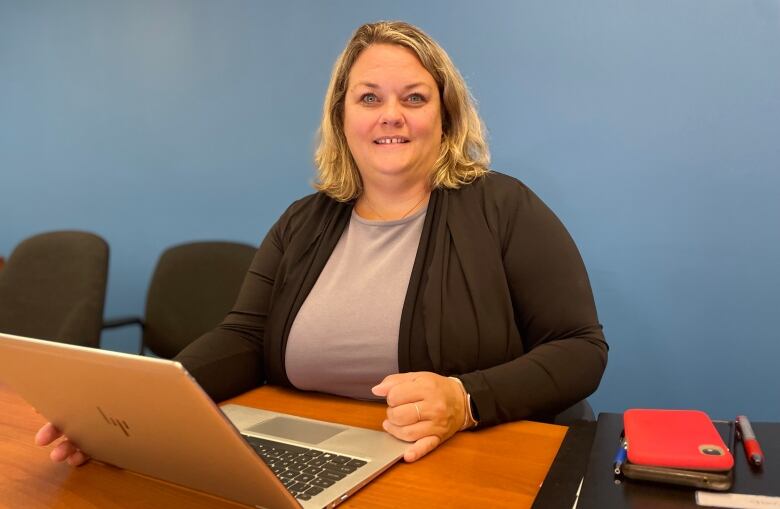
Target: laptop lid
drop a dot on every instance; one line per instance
(149, 416)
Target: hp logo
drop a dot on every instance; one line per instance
(115, 422)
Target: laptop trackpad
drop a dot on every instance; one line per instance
(294, 429)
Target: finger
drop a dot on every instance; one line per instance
(409, 391)
(421, 447)
(78, 458)
(63, 450)
(47, 434)
(410, 433)
(405, 415)
(390, 381)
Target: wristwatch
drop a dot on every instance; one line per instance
(474, 412)
(472, 415)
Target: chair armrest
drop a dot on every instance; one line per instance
(580, 411)
(113, 323)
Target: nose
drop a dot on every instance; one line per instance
(391, 114)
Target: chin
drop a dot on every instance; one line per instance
(391, 170)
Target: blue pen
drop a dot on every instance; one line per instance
(620, 457)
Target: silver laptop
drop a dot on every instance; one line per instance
(149, 416)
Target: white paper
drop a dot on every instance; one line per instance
(736, 500)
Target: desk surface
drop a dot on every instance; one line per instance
(501, 466)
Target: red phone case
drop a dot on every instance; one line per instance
(676, 439)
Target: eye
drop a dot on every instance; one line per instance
(369, 98)
(416, 98)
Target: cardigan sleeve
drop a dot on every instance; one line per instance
(564, 350)
(229, 359)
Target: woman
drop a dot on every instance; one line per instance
(414, 274)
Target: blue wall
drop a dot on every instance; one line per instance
(650, 127)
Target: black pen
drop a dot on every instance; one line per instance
(749, 442)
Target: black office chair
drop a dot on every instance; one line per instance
(580, 411)
(53, 286)
(193, 288)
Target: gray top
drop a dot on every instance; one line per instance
(344, 339)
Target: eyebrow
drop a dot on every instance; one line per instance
(368, 84)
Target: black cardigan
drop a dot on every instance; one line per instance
(498, 296)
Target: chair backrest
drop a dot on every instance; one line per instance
(53, 286)
(193, 288)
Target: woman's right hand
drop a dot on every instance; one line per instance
(65, 450)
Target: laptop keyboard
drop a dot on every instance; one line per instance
(304, 472)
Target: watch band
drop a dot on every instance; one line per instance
(471, 418)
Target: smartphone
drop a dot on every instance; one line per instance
(678, 447)
(708, 480)
(684, 439)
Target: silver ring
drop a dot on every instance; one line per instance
(419, 417)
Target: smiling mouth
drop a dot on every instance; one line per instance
(391, 140)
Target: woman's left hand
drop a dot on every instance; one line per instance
(422, 407)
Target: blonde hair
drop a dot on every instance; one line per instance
(464, 154)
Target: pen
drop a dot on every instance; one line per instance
(749, 441)
(620, 456)
(732, 442)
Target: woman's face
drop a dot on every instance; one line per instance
(392, 115)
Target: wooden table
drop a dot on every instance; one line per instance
(498, 467)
